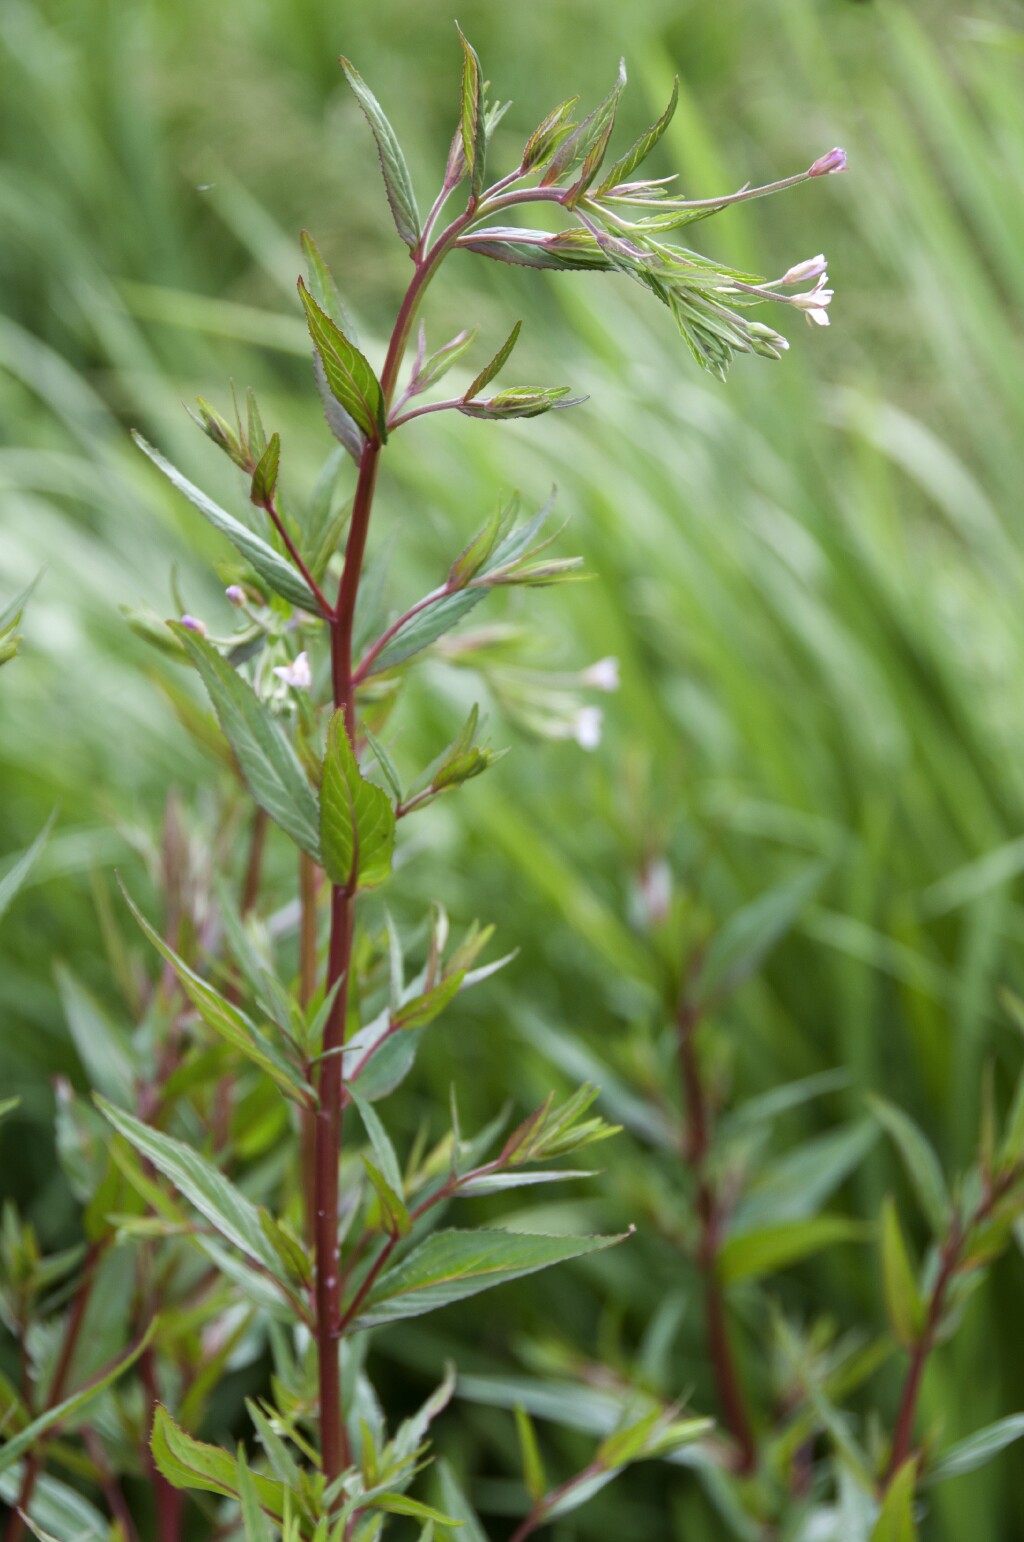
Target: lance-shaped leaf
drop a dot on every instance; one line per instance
(104, 1050)
(257, 1527)
(397, 181)
(26, 1440)
(474, 141)
(976, 1449)
(771, 1248)
(265, 758)
(639, 151)
(587, 143)
(895, 1521)
(357, 822)
(323, 288)
(227, 1020)
(264, 478)
(20, 869)
(739, 948)
(192, 1464)
(903, 1301)
(203, 1185)
(437, 365)
(457, 1505)
(452, 1265)
(271, 567)
(521, 402)
(489, 371)
(549, 134)
(919, 1159)
(349, 376)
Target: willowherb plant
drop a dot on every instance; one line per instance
(223, 1208)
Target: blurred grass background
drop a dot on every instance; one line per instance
(812, 577)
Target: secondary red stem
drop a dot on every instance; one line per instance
(709, 1214)
(58, 1387)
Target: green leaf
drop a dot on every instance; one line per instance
(896, 1518)
(549, 134)
(796, 1186)
(976, 1449)
(192, 1464)
(198, 1181)
(323, 288)
(457, 1505)
(7, 1106)
(401, 1504)
(357, 822)
(452, 1265)
(274, 569)
(104, 1051)
(771, 1248)
(10, 616)
(397, 181)
(19, 870)
(439, 363)
(225, 1019)
(639, 151)
(264, 478)
(392, 1213)
(265, 758)
(903, 1302)
(920, 1161)
(423, 1009)
(489, 371)
(534, 1476)
(426, 627)
(587, 143)
(737, 951)
(520, 402)
(285, 1467)
(474, 141)
(25, 1441)
(351, 380)
(255, 1522)
(383, 1150)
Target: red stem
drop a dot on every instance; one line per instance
(335, 1453)
(270, 508)
(731, 1396)
(72, 1332)
(950, 1259)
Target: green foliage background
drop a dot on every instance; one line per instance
(812, 579)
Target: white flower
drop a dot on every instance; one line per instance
(297, 674)
(602, 676)
(586, 727)
(803, 272)
(815, 302)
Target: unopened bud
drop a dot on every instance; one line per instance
(193, 624)
(586, 727)
(835, 160)
(814, 267)
(234, 594)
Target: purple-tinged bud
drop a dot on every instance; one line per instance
(234, 594)
(193, 624)
(835, 160)
(803, 272)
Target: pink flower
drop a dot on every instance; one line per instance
(803, 272)
(815, 302)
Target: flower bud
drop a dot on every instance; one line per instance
(835, 160)
(193, 624)
(586, 727)
(803, 272)
(234, 594)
